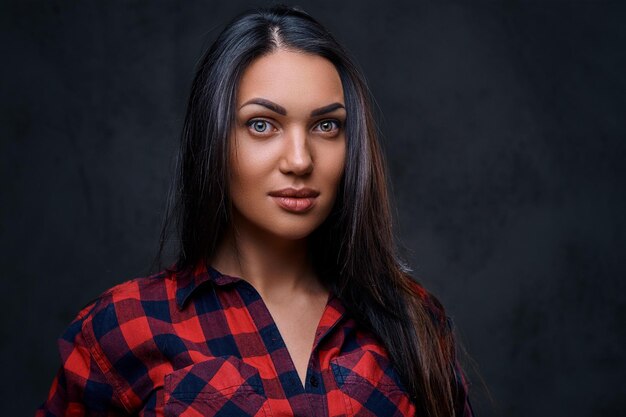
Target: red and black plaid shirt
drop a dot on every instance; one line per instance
(179, 346)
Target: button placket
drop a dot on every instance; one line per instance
(313, 379)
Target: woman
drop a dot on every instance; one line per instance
(287, 297)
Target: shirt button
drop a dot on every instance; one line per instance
(314, 382)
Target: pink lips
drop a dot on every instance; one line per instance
(295, 200)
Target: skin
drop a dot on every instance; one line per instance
(267, 244)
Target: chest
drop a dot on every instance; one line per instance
(227, 354)
(297, 322)
(351, 385)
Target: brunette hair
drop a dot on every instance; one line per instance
(353, 250)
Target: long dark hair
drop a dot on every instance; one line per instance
(353, 250)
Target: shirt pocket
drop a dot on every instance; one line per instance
(224, 386)
(369, 386)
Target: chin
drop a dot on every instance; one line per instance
(293, 230)
(278, 224)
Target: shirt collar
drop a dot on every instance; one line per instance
(189, 281)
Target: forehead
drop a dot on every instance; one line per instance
(291, 79)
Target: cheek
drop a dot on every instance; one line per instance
(242, 175)
(337, 165)
(249, 165)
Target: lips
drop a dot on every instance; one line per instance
(295, 200)
(295, 193)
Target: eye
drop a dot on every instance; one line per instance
(259, 126)
(329, 126)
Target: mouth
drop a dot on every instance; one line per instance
(295, 200)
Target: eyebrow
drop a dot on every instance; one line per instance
(282, 111)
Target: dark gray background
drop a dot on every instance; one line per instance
(504, 129)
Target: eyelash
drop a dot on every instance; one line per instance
(251, 122)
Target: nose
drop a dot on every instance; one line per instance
(296, 158)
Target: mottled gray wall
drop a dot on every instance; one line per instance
(504, 129)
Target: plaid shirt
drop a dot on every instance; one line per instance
(175, 346)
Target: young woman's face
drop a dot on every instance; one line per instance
(288, 144)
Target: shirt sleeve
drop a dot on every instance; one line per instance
(80, 388)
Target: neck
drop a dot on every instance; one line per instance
(276, 268)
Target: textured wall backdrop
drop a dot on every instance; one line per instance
(504, 129)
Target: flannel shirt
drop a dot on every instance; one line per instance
(205, 344)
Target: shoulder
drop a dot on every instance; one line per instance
(120, 313)
(97, 348)
(151, 286)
